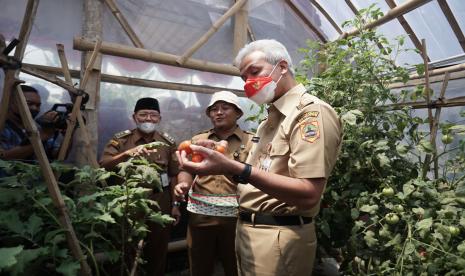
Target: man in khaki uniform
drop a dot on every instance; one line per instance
(129, 143)
(211, 232)
(285, 174)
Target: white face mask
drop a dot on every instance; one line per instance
(267, 93)
(146, 127)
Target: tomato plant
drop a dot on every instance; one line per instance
(392, 192)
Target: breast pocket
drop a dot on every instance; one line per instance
(278, 158)
(279, 149)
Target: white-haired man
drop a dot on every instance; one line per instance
(285, 174)
(213, 198)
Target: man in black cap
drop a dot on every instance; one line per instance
(129, 143)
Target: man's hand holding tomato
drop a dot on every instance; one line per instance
(213, 162)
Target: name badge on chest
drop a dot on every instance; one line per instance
(165, 182)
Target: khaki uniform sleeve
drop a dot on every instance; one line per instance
(173, 164)
(112, 148)
(314, 142)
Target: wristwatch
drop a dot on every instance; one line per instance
(176, 204)
(243, 178)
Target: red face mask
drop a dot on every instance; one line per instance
(261, 89)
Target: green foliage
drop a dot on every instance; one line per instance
(108, 220)
(377, 231)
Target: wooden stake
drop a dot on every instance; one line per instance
(434, 131)
(52, 185)
(426, 165)
(124, 23)
(120, 50)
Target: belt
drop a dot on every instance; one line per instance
(265, 219)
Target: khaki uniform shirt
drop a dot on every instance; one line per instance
(164, 156)
(301, 138)
(239, 144)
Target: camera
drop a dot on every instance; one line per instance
(59, 122)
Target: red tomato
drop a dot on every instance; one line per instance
(185, 146)
(221, 149)
(197, 158)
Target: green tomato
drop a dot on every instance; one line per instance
(398, 208)
(454, 231)
(447, 138)
(388, 191)
(392, 218)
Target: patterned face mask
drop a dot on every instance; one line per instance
(261, 89)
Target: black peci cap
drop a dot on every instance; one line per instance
(147, 103)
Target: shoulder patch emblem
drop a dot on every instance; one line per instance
(309, 114)
(122, 134)
(168, 137)
(310, 130)
(114, 143)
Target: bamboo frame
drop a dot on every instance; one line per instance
(10, 88)
(12, 75)
(352, 7)
(458, 101)
(124, 23)
(390, 15)
(120, 50)
(76, 111)
(435, 72)
(403, 22)
(433, 79)
(214, 28)
(307, 22)
(52, 185)
(241, 24)
(204, 89)
(326, 14)
(452, 22)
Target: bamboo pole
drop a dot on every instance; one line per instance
(427, 84)
(241, 23)
(458, 101)
(327, 16)
(434, 72)
(120, 50)
(433, 79)
(50, 78)
(52, 185)
(307, 22)
(76, 111)
(12, 75)
(452, 22)
(413, 37)
(390, 15)
(434, 131)
(235, 8)
(204, 89)
(124, 23)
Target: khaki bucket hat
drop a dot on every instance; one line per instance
(224, 96)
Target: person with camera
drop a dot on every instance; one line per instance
(14, 141)
(130, 143)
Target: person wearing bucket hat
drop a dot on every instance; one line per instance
(281, 184)
(130, 143)
(212, 200)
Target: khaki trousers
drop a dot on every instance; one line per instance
(275, 250)
(210, 239)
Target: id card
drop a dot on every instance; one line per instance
(165, 182)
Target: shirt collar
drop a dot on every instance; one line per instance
(138, 136)
(287, 102)
(237, 132)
